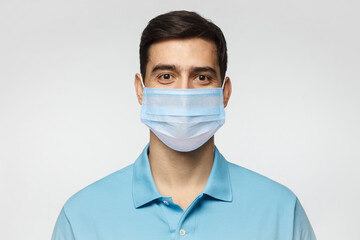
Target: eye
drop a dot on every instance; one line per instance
(203, 77)
(165, 76)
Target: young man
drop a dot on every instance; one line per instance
(181, 187)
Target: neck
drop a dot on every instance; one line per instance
(175, 171)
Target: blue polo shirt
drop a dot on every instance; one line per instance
(236, 203)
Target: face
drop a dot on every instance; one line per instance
(183, 63)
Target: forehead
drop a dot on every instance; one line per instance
(184, 52)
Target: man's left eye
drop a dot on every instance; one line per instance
(203, 78)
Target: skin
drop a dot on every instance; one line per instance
(182, 63)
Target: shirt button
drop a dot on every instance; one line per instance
(166, 202)
(182, 232)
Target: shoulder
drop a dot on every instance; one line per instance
(114, 187)
(246, 182)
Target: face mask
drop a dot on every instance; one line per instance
(183, 119)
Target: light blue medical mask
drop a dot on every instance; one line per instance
(183, 119)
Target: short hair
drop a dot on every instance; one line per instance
(182, 25)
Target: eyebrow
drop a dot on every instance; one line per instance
(204, 69)
(163, 67)
(174, 68)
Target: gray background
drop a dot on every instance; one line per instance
(69, 115)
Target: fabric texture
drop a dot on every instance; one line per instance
(183, 119)
(236, 203)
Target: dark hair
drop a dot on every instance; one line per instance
(182, 25)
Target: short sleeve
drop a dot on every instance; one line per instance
(63, 230)
(302, 227)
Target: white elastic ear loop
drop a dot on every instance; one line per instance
(142, 81)
(223, 83)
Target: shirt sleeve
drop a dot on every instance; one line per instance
(63, 229)
(302, 227)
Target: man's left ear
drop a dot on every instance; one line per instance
(226, 91)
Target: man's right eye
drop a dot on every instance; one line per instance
(165, 76)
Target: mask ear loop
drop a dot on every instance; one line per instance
(141, 80)
(223, 83)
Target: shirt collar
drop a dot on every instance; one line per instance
(144, 189)
(219, 184)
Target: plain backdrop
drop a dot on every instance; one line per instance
(69, 114)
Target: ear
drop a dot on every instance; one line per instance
(227, 91)
(138, 87)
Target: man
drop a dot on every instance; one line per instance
(181, 187)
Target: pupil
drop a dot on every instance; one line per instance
(202, 77)
(166, 76)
